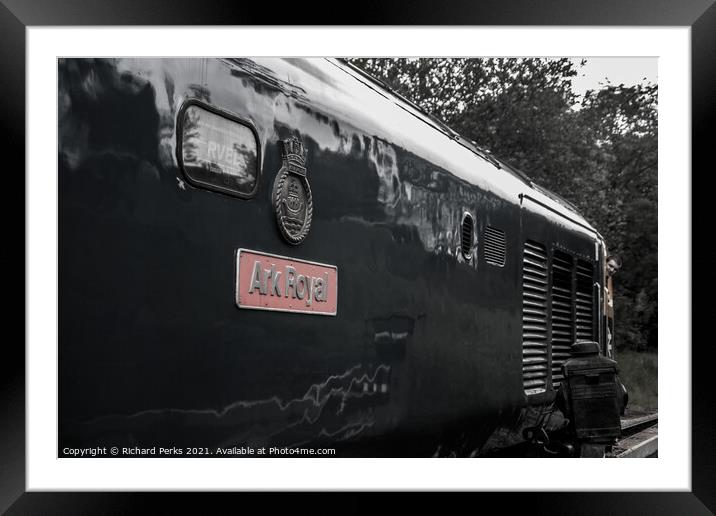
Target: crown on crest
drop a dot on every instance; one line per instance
(295, 155)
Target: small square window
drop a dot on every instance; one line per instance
(218, 151)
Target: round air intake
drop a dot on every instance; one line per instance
(466, 234)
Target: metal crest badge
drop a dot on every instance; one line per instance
(292, 198)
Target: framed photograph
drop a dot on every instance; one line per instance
(417, 259)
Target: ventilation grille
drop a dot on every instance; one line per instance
(534, 318)
(495, 246)
(584, 301)
(557, 308)
(562, 313)
(466, 236)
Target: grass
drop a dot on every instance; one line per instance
(638, 372)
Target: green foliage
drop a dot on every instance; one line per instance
(639, 373)
(599, 151)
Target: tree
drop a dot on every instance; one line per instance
(625, 123)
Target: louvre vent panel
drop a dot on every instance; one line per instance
(562, 313)
(495, 246)
(557, 310)
(535, 301)
(584, 303)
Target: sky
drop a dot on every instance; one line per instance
(627, 70)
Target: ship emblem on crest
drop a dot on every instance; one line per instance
(292, 198)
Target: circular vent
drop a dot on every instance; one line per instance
(466, 235)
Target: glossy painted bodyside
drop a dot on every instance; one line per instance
(152, 346)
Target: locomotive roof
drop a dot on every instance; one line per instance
(371, 107)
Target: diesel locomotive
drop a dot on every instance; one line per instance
(286, 253)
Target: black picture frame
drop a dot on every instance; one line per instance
(17, 15)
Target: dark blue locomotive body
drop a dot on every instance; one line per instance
(460, 284)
